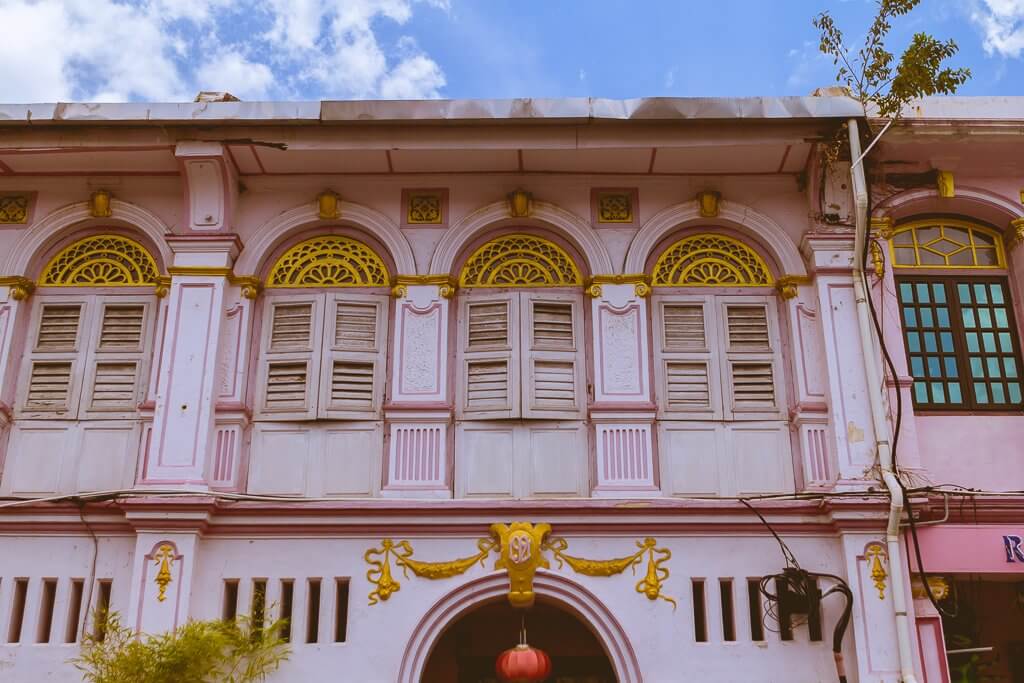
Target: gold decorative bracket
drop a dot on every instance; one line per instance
(250, 284)
(1015, 235)
(99, 204)
(521, 545)
(640, 281)
(163, 558)
(788, 286)
(328, 205)
(882, 227)
(520, 204)
(877, 558)
(446, 285)
(944, 184)
(708, 202)
(21, 287)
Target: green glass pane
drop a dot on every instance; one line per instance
(1013, 389)
(972, 342)
(997, 294)
(1009, 367)
(1002, 320)
(917, 366)
(950, 364)
(943, 315)
(984, 317)
(939, 290)
(906, 292)
(977, 367)
(1005, 342)
(910, 316)
(981, 392)
(947, 342)
(968, 315)
(922, 293)
(963, 292)
(920, 392)
(998, 395)
(934, 367)
(954, 393)
(938, 392)
(989, 340)
(981, 293)
(927, 319)
(994, 369)
(913, 342)
(929, 342)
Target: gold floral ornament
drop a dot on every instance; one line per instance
(329, 261)
(711, 260)
(877, 558)
(101, 261)
(650, 585)
(13, 209)
(520, 260)
(614, 207)
(163, 558)
(424, 209)
(384, 582)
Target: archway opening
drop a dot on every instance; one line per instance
(466, 652)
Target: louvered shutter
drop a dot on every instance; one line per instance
(488, 337)
(552, 355)
(290, 359)
(685, 341)
(352, 370)
(117, 358)
(751, 374)
(49, 381)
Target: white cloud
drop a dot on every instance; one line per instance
(1002, 25)
(99, 50)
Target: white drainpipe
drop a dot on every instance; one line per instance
(878, 417)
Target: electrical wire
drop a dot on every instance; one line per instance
(92, 568)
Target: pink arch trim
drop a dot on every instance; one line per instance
(547, 584)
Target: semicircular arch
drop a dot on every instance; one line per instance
(970, 202)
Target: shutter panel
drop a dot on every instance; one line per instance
(58, 327)
(49, 386)
(48, 379)
(748, 328)
(552, 355)
(289, 359)
(685, 341)
(117, 361)
(121, 327)
(752, 358)
(753, 385)
(352, 376)
(488, 336)
(114, 386)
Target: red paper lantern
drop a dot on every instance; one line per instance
(523, 664)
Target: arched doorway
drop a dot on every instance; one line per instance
(467, 650)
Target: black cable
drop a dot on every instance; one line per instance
(787, 554)
(92, 569)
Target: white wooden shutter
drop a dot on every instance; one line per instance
(352, 370)
(751, 344)
(552, 355)
(489, 359)
(685, 344)
(290, 357)
(120, 344)
(50, 379)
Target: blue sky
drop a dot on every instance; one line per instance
(103, 50)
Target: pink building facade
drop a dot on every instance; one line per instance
(394, 371)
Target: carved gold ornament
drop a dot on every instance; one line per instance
(14, 209)
(99, 204)
(788, 286)
(708, 204)
(445, 284)
(424, 209)
(249, 284)
(938, 585)
(711, 260)
(163, 558)
(520, 260)
(877, 259)
(1016, 234)
(641, 283)
(614, 207)
(21, 287)
(877, 558)
(521, 550)
(944, 184)
(101, 261)
(328, 205)
(520, 204)
(329, 261)
(883, 227)
(946, 243)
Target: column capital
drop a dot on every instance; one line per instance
(446, 284)
(641, 283)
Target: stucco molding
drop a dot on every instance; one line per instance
(567, 593)
(904, 201)
(56, 224)
(732, 214)
(577, 230)
(272, 232)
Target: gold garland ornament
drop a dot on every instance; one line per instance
(653, 579)
(385, 584)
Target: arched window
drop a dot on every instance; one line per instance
(958, 323)
(91, 333)
(324, 326)
(520, 360)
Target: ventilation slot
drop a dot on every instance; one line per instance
(728, 614)
(114, 386)
(552, 326)
(748, 328)
(258, 614)
(74, 610)
(102, 609)
(355, 326)
(684, 327)
(291, 327)
(229, 609)
(341, 610)
(287, 599)
(313, 612)
(754, 605)
(122, 328)
(687, 385)
(488, 325)
(17, 610)
(487, 384)
(753, 385)
(554, 383)
(49, 386)
(286, 385)
(352, 384)
(46, 603)
(700, 617)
